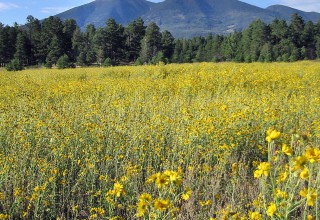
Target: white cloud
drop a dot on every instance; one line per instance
(7, 6)
(53, 10)
(305, 5)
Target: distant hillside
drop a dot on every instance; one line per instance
(285, 12)
(194, 17)
(97, 12)
(183, 18)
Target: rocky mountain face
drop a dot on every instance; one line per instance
(183, 18)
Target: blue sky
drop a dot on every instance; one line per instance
(18, 10)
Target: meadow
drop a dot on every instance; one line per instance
(190, 141)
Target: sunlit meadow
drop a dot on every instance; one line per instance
(191, 141)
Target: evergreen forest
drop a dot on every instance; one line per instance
(53, 42)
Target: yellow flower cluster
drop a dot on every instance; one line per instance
(310, 195)
(161, 204)
(97, 138)
(272, 135)
(163, 179)
(262, 169)
(289, 177)
(164, 182)
(186, 196)
(255, 216)
(4, 216)
(145, 200)
(96, 213)
(117, 190)
(272, 208)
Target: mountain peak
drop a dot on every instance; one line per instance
(183, 18)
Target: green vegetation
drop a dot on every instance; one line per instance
(179, 141)
(45, 43)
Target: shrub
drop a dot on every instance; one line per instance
(64, 62)
(108, 62)
(14, 65)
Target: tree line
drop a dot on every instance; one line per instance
(53, 42)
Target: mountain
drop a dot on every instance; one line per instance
(201, 17)
(97, 12)
(285, 12)
(183, 18)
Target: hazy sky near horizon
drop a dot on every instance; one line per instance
(17, 10)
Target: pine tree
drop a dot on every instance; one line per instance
(33, 33)
(100, 41)
(78, 47)
(69, 27)
(230, 46)
(21, 53)
(134, 32)
(167, 44)
(186, 51)
(52, 40)
(260, 36)
(177, 56)
(296, 28)
(55, 52)
(2, 46)
(318, 47)
(8, 38)
(216, 48)
(278, 30)
(200, 54)
(64, 62)
(89, 44)
(151, 43)
(266, 54)
(114, 41)
(308, 41)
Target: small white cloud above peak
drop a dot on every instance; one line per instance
(53, 10)
(304, 5)
(7, 6)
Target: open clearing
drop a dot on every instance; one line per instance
(190, 141)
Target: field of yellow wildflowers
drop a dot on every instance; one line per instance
(191, 141)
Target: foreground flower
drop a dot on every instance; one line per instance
(286, 150)
(272, 135)
(153, 178)
(304, 174)
(312, 154)
(142, 208)
(143, 204)
(310, 217)
(163, 179)
(263, 168)
(174, 177)
(255, 216)
(4, 216)
(300, 162)
(117, 189)
(185, 196)
(145, 197)
(281, 194)
(161, 204)
(205, 203)
(2, 196)
(272, 208)
(234, 168)
(282, 176)
(99, 211)
(310, 194)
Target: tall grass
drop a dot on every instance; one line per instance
(161, 142)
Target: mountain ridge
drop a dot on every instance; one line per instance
(183, 18)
